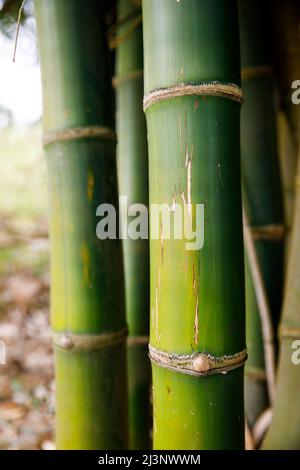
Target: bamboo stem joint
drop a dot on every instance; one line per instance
(136, 340)
(76, 133)
(271, 232)
(286, 331)
(78, 342)
(230, 91)
(127, 76)
(197, 364)
(255, 71)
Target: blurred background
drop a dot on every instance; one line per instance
(26, 381)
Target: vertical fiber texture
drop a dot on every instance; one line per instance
(197, 297)
(87, 295)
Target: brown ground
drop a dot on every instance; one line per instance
(26, 381)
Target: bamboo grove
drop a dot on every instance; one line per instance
(176, 104)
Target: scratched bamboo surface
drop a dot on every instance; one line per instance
(197, 297)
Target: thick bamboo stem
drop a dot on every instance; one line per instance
(87, 298)
(287, 41)
(284, 432)
(263, 203)
(287, 148)
(197, 324)
(287, 34)
(132, 160)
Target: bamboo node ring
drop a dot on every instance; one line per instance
(224, 90)
(136, 340)
(76, 133)
(271, 232)
(255, 71)
(287, 331)
(81, 342)
(118, 79)
(255, 373)
(197, 364)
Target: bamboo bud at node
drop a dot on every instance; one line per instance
(65, 342)
(201, 364)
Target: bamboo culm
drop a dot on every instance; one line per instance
(87, 293)
(287, 53)
(132, 165)
(262, 198)
(197, 323)
(284, 432)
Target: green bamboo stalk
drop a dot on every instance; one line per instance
(197, 297)
(287, 41)
(284, 432)
(132, 163)
(256, 390)
(87, 298)
(287, 36)
(261, 188)
(288, 161)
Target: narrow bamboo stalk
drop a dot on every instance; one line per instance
(197, 323)
(263, 201)
(249, 441)
(87, 299)
(132, 162)
(261, 426)
(263, 308)
(256, 391)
